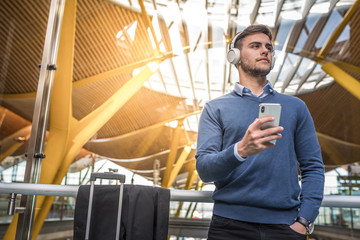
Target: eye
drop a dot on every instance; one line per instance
(270, 48)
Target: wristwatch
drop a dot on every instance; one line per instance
(308, 225)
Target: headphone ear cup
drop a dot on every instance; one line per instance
(273, 61)
(233, 55)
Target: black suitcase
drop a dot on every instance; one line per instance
(105, 175)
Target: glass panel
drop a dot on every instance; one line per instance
(23, 28)
(301, 41)
(311, 20)
(282, 34)
(334, 20)
(22, 33)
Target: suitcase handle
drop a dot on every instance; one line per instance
(108, 175)
(105, 175)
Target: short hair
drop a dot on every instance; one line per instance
(250, 30)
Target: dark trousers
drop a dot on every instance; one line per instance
(229, 229)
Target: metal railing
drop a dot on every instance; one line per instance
(339, 201)
(332, 201)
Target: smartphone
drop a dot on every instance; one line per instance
(270, 109)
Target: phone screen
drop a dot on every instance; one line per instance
(270, 109)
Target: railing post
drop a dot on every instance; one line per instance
(40, 117)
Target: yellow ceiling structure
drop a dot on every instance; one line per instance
(318, 61)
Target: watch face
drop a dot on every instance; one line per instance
(310, 229)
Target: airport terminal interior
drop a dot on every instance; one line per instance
(118, 86)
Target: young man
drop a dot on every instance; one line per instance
(258, 195)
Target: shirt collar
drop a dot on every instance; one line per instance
(241, 90)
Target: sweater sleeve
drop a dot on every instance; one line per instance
(311, 166)
(213, 163)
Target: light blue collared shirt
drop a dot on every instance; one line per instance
(244, 91)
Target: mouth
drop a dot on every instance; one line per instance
(263, 60)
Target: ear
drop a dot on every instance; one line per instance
(237, 64)
(273, 60)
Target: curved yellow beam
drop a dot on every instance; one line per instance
(338, 141)
(343, 78)
(115, 72)
(20, 95)
(10, 150)
(332, 151)
(144, 145)
(172, 155)
(156, 125)
(331, 146)
(99, 77)
(192, 175)
(338, 30)
(82, 130)
(178, 165)
(11, 140)
(199, 187)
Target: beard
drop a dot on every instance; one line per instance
(254, 71)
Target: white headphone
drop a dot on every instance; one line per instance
(233, 55)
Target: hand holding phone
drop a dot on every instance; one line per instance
(270, 109)
(250, 144)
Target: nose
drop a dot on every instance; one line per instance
(265, 51)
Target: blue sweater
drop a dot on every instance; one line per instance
(265, 187)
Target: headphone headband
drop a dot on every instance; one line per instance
(233, 41)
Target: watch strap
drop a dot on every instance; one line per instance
(303, 221)
(307, 224)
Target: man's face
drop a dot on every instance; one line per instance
(256, 54)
